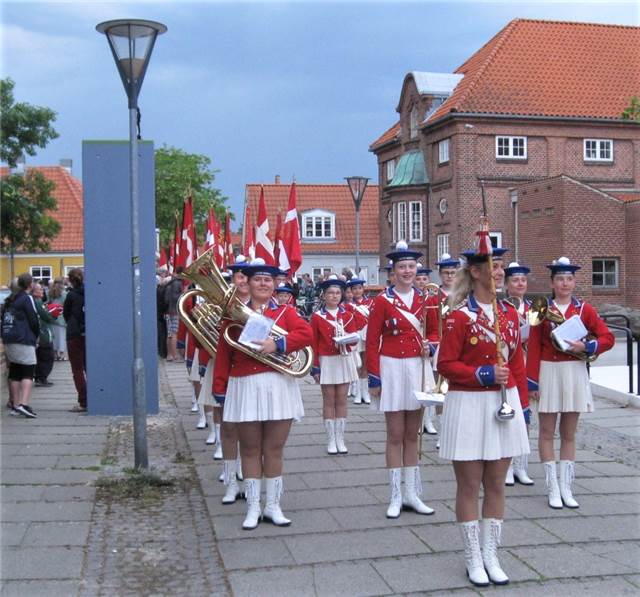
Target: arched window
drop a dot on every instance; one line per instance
(414, 122)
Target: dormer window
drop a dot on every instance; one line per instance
(318, 224)
(436, 102)
(414, 122)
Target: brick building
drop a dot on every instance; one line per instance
(540, 102)
(326, 216)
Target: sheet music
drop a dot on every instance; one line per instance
(572, 329)
(257, 327)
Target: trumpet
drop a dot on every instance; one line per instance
(540, 312)
(221, 303)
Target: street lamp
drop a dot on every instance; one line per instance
(131, 43)
(357, 185)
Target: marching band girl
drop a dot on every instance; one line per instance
(334, 368)
(479, 445)
(516, 287)
(560, 380)
(360, 306)
(261, 401)
(394, 351)
(283, 293)
(422, 277)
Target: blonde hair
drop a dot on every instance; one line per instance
(462, 286)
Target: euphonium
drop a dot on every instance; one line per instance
(539, 311)
(220, 301)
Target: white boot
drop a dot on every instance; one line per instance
(212, 437)
(553, 491)
(252, 493)
(217, 455)
(340, 426)
(330, 426)
(395, 504)
(239, 471)
(272, 510)
(472, 554)
(357, 396)
(413, 491)
(520, 474)
(233, 489)
(491, 533)
(567, 474)
(221, 476)
(202, 420)
(509, 480)
(352, 389)
(194, 400)
(364, 390)
(427, 420)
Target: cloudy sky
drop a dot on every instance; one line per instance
(262, 88)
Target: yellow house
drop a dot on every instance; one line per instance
(67, 247)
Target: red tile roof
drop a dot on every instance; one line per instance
(548, 68)
(628, 197)
(335, 198)
(69, 213)
(388, 135)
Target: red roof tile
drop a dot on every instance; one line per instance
(550, 68)
(387, 136)
(69, 213)
(335, 198)
(626, 197)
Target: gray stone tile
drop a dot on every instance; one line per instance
(618, 423)
(563, 561)
(46, 563)
(69, 492)
(78, 461)
(319, 450)
(612, 469)
(292, 582)
(355, 579)
(311, 465)
(40, 588)
(432, 490)
(338, 546)
(33, 462)
(47, 477)
(610, 485)
(595, 587)
(626, 553)
(47, 511)
(537, 507)
(56, 533)
(590, 456)
(327, 498)
(254, 553)
(599, 505)
(346, 478)
(371, 517)
(595, 528)
(21, 493)
(12, 533)
(61, 449)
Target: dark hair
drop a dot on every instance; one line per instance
(24, 281)
(76, 277)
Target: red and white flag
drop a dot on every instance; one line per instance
(211, 231)
(162, 260)
(219, 244)
(188, 244)
(264, 246)
(277, 240)
(228, 245)
(249, 247)
(291, 237)
(174, 250)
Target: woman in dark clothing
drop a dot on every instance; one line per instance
(20, 330)
(74, 316)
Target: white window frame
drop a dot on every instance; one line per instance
(415, 219)
(321, 270)
(41, 277)
(323, 218)
(599, 147)
(616, 273)
(394, 222)
(509, 147)
(443, 151)
(390, 170)
(68, 268)
(413, 123)
(401, 233)
(442, 244)
(497, 237)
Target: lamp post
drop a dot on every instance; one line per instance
(357, 185)
(131, 43)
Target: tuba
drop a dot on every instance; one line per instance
(219, 301)
(539, 312)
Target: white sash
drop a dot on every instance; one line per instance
(410, 317)
(362, 309)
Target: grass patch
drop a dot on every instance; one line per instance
(181, 458)
(108, 462)
(136, 485)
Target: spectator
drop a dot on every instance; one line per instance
(20, 330)
(162, 278)
(172, 293)
(57, 295)
(44, 349)
(74, 316)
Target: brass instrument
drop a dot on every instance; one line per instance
(221, 302)
(539, 312)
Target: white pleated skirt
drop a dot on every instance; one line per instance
(268, 396)
(400, 378)
(564, 387)
(205, 397)
(194, 374)
(470, 431)
(338, 369)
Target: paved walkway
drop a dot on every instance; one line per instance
(70, 528)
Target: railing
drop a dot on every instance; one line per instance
(629, 335)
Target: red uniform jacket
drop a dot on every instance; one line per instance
(392, 332)
(186, 340)
(233, 363)
(433, 312)
(540, 347)
(323, 326)
(468, 350)
(361, 311)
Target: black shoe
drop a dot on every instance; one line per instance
(43, 383)
(25, 410)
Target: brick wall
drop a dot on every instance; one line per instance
(633, 254)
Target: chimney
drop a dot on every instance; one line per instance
(277, 179)
(66, 163)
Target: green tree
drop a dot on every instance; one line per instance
(24, 127)
(26, 203)
(632, 111)
(179, 173)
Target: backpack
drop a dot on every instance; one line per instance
(11, 331)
